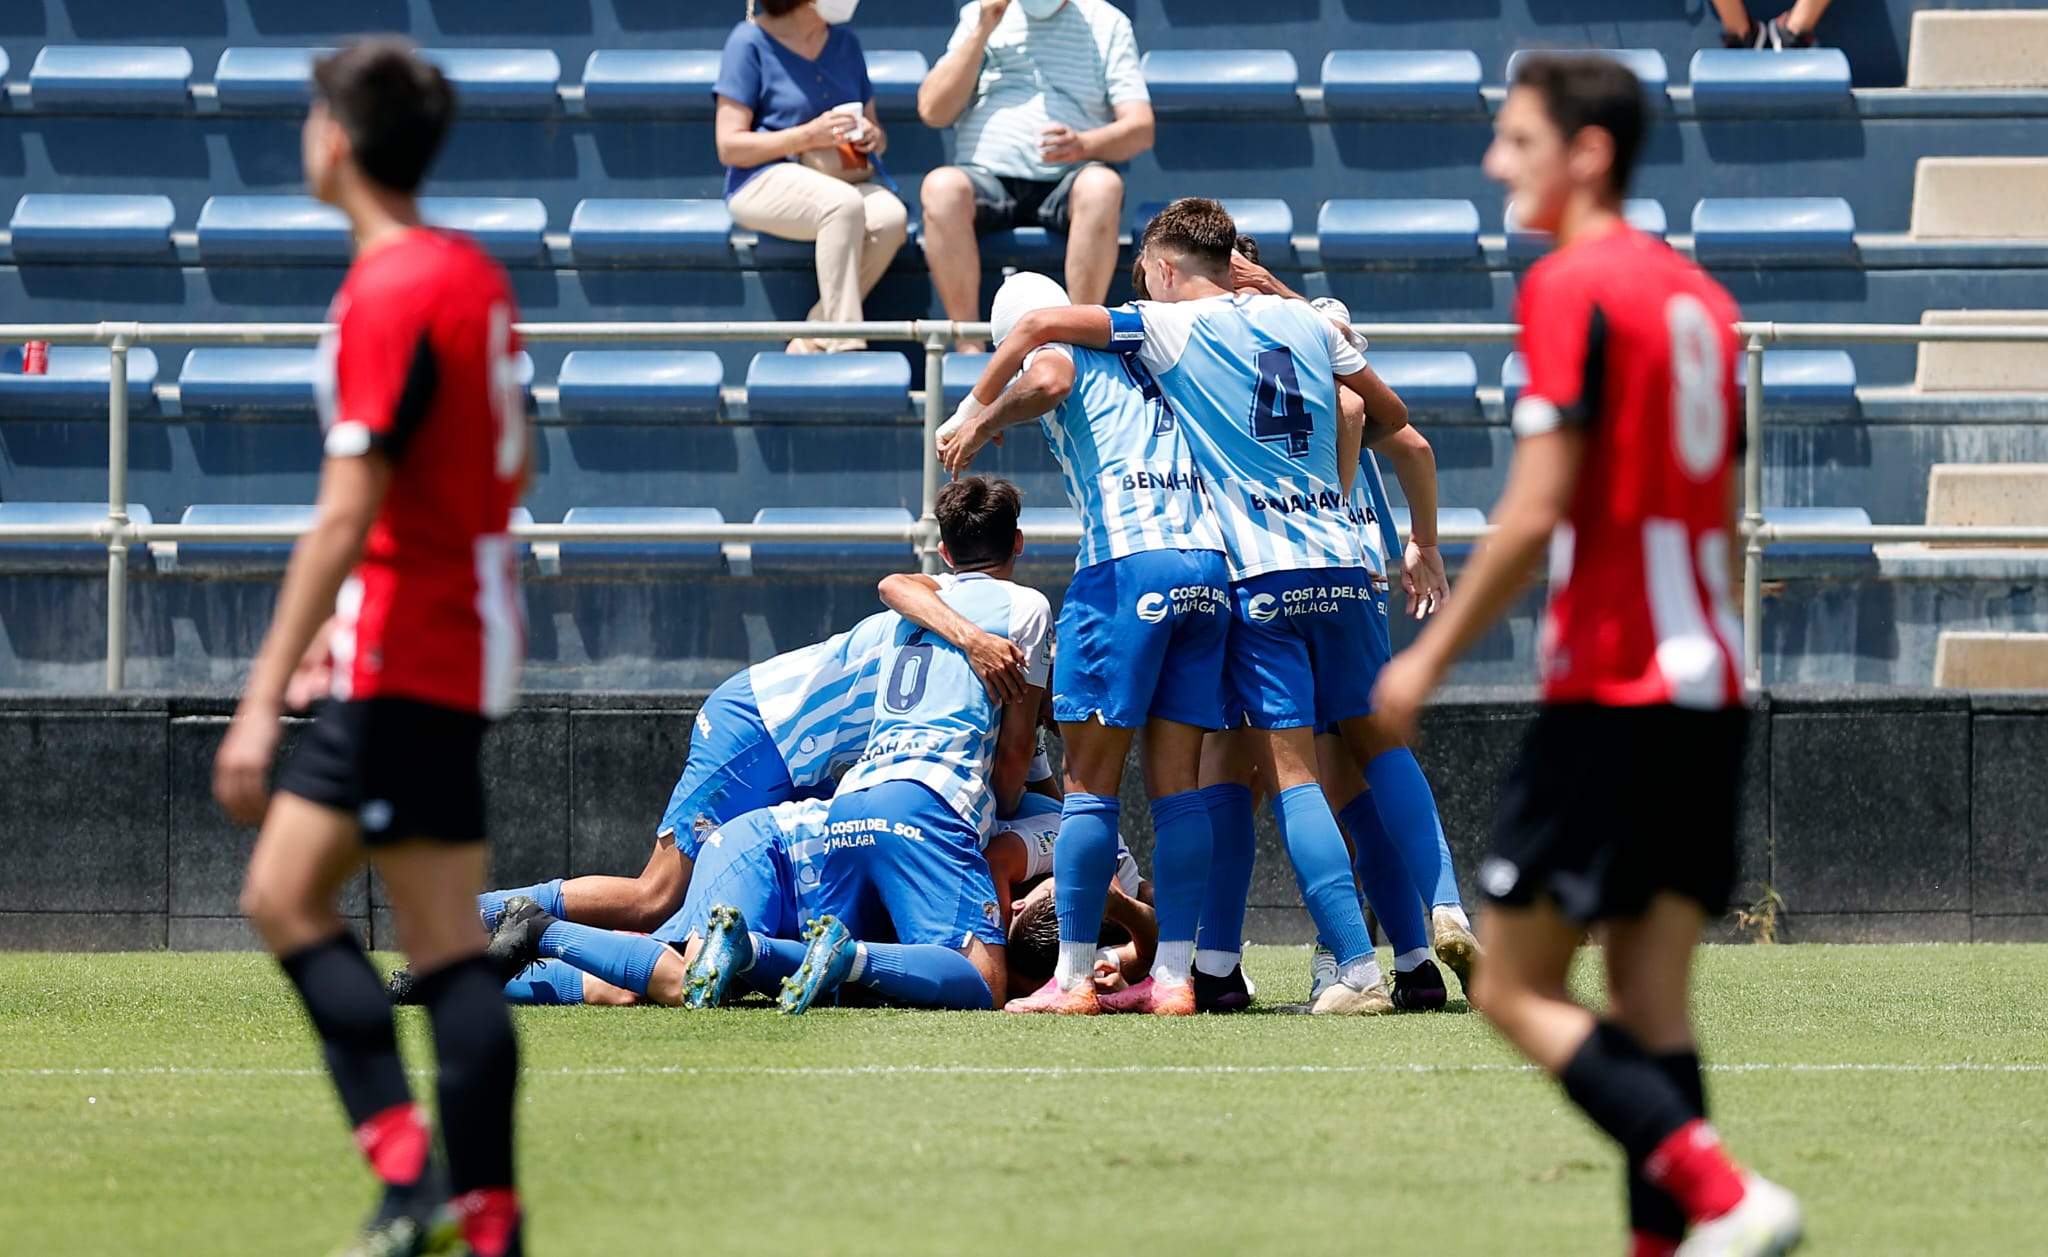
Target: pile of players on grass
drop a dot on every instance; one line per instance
(872, 819)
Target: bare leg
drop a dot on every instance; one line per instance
(1522, 988)
(303, 857)
(1649, 973)
(1806, 15)
(1734, 16)
(1095, 210)
(950, 248)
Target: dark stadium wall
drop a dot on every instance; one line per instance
(1869, 814)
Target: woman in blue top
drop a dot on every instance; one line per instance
(779, 133)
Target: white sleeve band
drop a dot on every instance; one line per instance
(1535, 416)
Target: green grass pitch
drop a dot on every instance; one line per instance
(174, 1104)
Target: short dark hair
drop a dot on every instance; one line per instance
(780, 8)
(978, 521)
(1581, 90)
(1198, 229)
(394, 105)
(1034, 940)
(1248, 247)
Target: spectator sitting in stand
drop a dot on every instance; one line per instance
(1790, 29)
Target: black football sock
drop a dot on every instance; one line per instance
(479, 1059)
(352, 1014)
(1616, 1083)
(1650, 1211)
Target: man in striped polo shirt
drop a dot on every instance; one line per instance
(1046, 94)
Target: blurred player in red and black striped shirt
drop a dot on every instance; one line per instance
(1622, 809)
(406, 589)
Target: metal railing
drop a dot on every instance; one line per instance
(118, 533)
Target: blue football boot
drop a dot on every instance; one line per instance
(728, 950)
(827, 961)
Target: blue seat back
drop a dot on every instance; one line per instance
(1404, 81)
(265, 381)
(57, 226)
(782, 556)
(501, 80)
(1251, 81)
(1444, 381)
(64, 553)
(242, 554)
(703, 556)
(1773, 229)
(510, 228)
(103, 79)
(671, 82)
(245, 229)
(1770, 84)
(861, 385)
(1269, 220)
(75, 384)
(264, 80)
(1647, 64)
(1421, 229)
(1058, 554)
(613, 231)
(664, 385)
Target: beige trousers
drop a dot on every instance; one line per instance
(858, 228)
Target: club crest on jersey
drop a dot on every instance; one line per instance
(1152, 608)
(1263, 608)
(988, 909)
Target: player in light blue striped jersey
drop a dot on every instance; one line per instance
(1253, 379)
(903, 851)
(1142, 631)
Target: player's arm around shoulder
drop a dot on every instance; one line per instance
(1086, 326)
(1017, 735)
(1043, 387)
(998, 661)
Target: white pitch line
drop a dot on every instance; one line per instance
(1041, 1071)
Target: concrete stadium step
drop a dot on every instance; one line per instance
(1980, 198)
(1965, 495)
(1962, 367)
(1991, 661)
(1995, 48)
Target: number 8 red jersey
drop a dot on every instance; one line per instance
(1633, 344)
(423, 366)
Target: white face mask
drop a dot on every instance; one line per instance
(837, 12)
(1039, 10)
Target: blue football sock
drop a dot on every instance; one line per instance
(922, 976)
(1230, 867)
(491, 904)
(549, 982)
(1323, 869)
(774, 960)
(624, 960)
(1383, 877)
(1083, 862)
(1447, 894)
(1408, 810)
(1183, 843)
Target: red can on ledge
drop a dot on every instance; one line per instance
(35, 358)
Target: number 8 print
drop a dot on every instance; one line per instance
(1699, 401)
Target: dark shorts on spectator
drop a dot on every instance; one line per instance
(1003, 204)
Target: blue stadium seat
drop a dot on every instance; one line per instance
(1805, 377)
(603, 232)
(67, 553)
(1774, 229)
(1802, 80)
(864, 385)
(510, 228)
(1514, 377)
(260, 80)
(1269, 221)
(266, 381)
(772, 556)
(1447, 517)
(1433, 380)
(75, 386)
(265, 554)
(1406, 81)
(57, 226)
(1060, 554)
(501, 80)
(1844, 557)
(680, 385)
(1647, 64)
(102, 79)
(1644, 215)
(896, 75)
(1380, 230)
(1246, 82)
(5, 65)
(1026, 248)
(705, 556)
(960, 374)
(671, 82)
(271, 229)
(520, 517)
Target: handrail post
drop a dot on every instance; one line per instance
(934, 415)
(117, 513)
(1753, 519)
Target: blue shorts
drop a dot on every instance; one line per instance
(733, 768)
(1143, 636)
(898, 862)
(1303, 647)
(741, 864)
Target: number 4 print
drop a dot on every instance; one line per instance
(1278, 414)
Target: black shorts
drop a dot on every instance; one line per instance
(1002, 203)
(1609, 806)
(404, 769)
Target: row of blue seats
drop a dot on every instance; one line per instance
(767, 557)
(679, 81)
(687, 385)
(53, 227)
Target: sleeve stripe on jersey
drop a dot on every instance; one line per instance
(422, 380)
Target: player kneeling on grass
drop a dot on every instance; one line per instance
(426, 453)
(1621, 812)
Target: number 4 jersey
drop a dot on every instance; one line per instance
(422, 367)
(1634, 345)
(934, 721)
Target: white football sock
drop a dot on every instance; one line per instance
(1408, 961)
(1456, 912)
(1362, 974)
(1217, 964)
(1173, 961)
(1075, 966)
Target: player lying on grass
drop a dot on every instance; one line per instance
(777, 731)
(1253, 381)
(1141, 632)
(1621, 812)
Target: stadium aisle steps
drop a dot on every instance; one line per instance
(1953, 50)
(1980, 198)
(1957, 366)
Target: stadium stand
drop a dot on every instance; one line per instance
(1831, 185)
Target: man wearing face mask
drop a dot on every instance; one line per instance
(1046, 95)
(797, 132)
